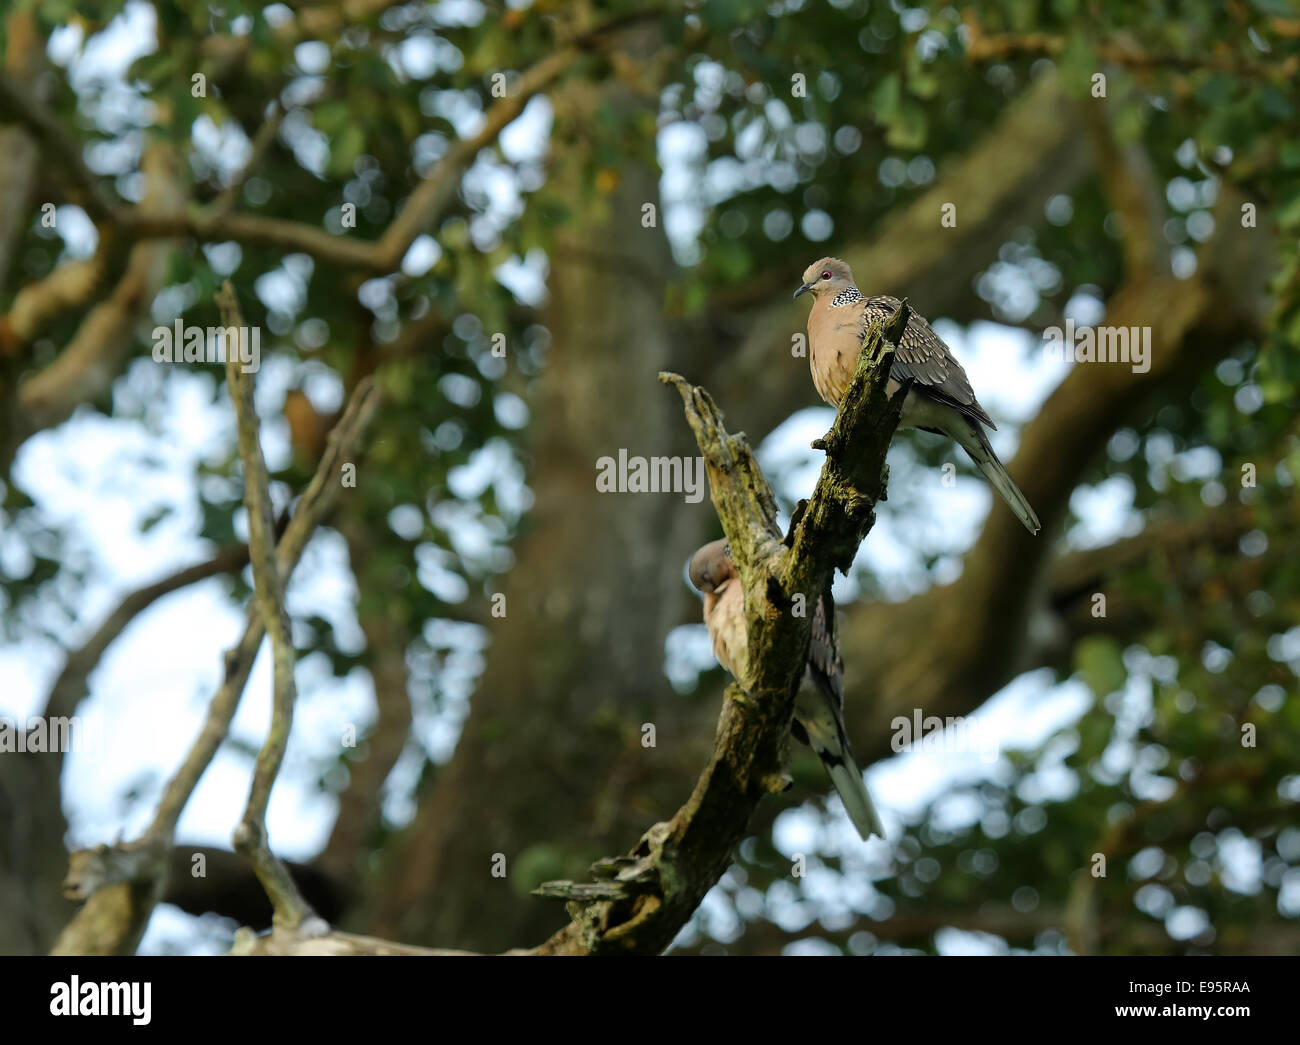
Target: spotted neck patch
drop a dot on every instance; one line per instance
(847, 296)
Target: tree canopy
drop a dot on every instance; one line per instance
(470, 236)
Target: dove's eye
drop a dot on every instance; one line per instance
(826, 274)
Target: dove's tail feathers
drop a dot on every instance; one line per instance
(981, 452)
(852, 789)
(819, 726)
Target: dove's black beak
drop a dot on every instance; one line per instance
(803, 287)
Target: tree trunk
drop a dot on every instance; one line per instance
(550, 770)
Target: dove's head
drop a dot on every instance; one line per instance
(826, 277)
(711, 567)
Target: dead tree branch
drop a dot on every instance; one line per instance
(642, 900)
(251, 842)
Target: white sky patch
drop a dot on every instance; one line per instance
(88, 474)
(172, 931)
(312, 57)
(415, 58)
(1022, 715)
(688, 651)
(1010, 373)
(682, 147)
(79, 234)
(150, 695)
(224, 149)
(462, 111)
(311, 147)
(108, 54)
(458, 12)
(280, 291)
(1106, 512)
(65, 43)
(423, 254)
(527, 137)
(526, 277)
(961, 942)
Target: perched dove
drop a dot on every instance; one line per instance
(818, 719)
(940, 400)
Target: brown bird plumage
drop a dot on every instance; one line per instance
(818, 715)
(940, 398)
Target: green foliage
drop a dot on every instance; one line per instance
(1100, 664)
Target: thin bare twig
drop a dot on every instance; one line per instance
(290, 909)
